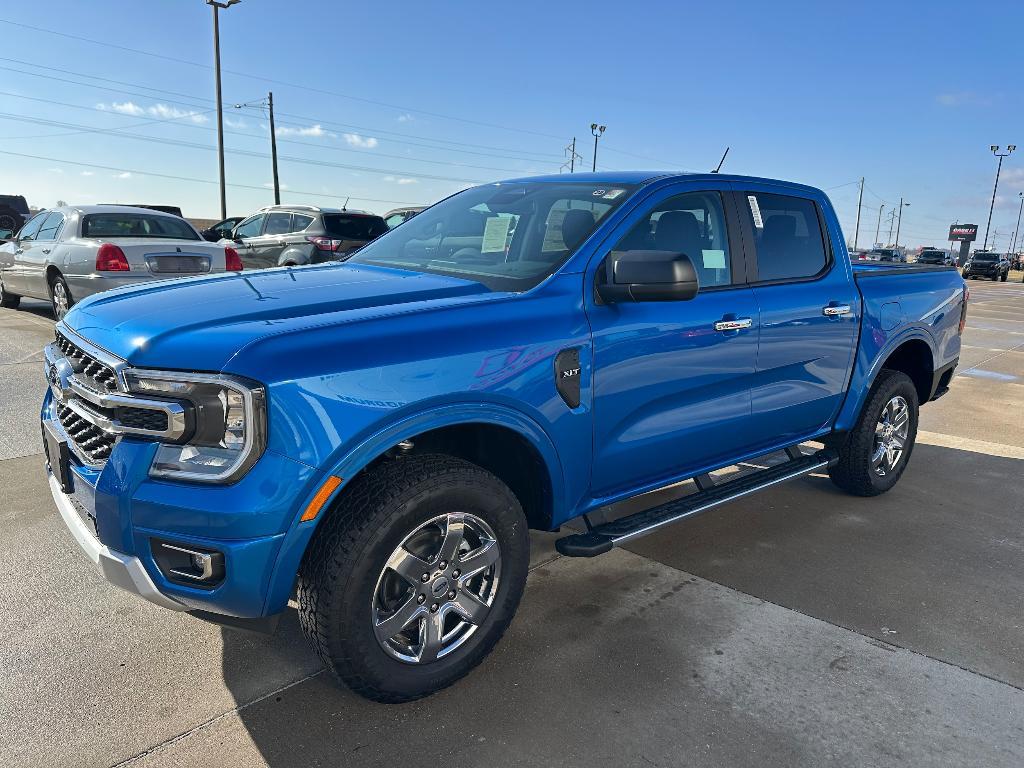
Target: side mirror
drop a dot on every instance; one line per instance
(648, 276)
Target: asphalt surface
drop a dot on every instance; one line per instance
(799, 627)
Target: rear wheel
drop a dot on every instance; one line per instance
(414, 578)
(8, 300)
(877, 450)
(60, 297)
(1004, 276)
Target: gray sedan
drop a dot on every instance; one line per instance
(65, 254)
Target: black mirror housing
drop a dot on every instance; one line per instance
(648, 276)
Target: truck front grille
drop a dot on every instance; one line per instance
(93, 373)
(91, 442)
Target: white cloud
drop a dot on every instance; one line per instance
(316, 131)
(962, 99)
(125, 175)
(162, 111)
(355, 140)
(232, 123)
(55, 170)
(400, 180)
(405, 118)
(88, 173)
(270, 185)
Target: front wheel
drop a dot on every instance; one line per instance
(877, 450)
(1004, 276)
(8, 300)
(414, 577)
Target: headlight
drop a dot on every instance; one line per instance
(227, 422)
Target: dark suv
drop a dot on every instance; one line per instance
(290, 235)
(994, 266)
(935, 256)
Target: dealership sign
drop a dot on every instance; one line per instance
(963, 233)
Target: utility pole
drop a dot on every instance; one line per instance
(597, 130)
(217, 6)
(878, 226)
(999, 167)
(273, 148)
(573, 157)
(860, 200)
(1013, 245)
(900, 221)
(892, 223)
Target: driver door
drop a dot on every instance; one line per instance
(672, 379)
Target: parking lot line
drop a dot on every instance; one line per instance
(968, 444)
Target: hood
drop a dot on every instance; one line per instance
(200, 323)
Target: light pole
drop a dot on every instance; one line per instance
(269, 104)
(1013, 245)
(878, 226)
(999, 167)
(217, 6)
(899, 221)
(597, 130)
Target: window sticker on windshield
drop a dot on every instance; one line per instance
(495, 234)
(713, 259)
(608, 194)
(755, 211)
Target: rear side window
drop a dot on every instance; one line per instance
(278, 223)
(51, 227)
(787, 235)
(347, 227)
(107, 225)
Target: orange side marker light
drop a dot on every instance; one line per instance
(330, 486)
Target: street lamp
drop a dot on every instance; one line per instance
(217, 6)
(1000, 155)
(1013, 245)
(878, 226)
(597, 130)
(899, 221)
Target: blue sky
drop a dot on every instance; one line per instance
(408, 102)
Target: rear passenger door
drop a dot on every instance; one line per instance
(809, 309)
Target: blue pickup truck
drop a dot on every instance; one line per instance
(374, 439)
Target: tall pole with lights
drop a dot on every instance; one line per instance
(1016, 230)
(878, 226)
(597, 130)
(999, 167)
(899, 221)
(217, 7)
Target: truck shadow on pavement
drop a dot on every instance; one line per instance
(684, 646)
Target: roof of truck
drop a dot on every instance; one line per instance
(642, 177)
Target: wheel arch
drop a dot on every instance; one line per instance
(914, 358)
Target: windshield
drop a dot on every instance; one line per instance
(986, 256)
(108, 225)
(509, 237)
(931, 256)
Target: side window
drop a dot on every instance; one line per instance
(51, 227)
(394, 220)
(691, 223)
(250, 227)
(31, 228)
(787, 235)
(278, 223)
(300, 222)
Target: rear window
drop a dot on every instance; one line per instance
(788, 236)
(108, 225)
(348, 227)
(929, 255)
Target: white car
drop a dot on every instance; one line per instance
(65, 254)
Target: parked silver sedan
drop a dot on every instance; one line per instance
(65, 254)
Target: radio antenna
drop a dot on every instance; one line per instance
(721, 161)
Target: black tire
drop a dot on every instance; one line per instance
(341, 573)
(57, 285)
(1004, 276)
(8, 300)
(10, 218)
(854, 472)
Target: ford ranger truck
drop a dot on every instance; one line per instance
(374, 439)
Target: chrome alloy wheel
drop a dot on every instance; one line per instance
(437, 588)
(60, 299)
(890, 436)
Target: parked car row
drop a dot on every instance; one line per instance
(64, 254)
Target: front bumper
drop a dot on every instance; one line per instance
(121, 570)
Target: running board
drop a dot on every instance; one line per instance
(601, 538)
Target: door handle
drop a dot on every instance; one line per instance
(835, 310)
(733, 325)
(18, 251)
(46, 250)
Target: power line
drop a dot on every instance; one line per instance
(311, 89)
(193, 179)
(538, 156)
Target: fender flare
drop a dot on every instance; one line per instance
(299, 254)
(852, 406)
(349, 463)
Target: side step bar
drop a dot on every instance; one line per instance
(601, 538)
